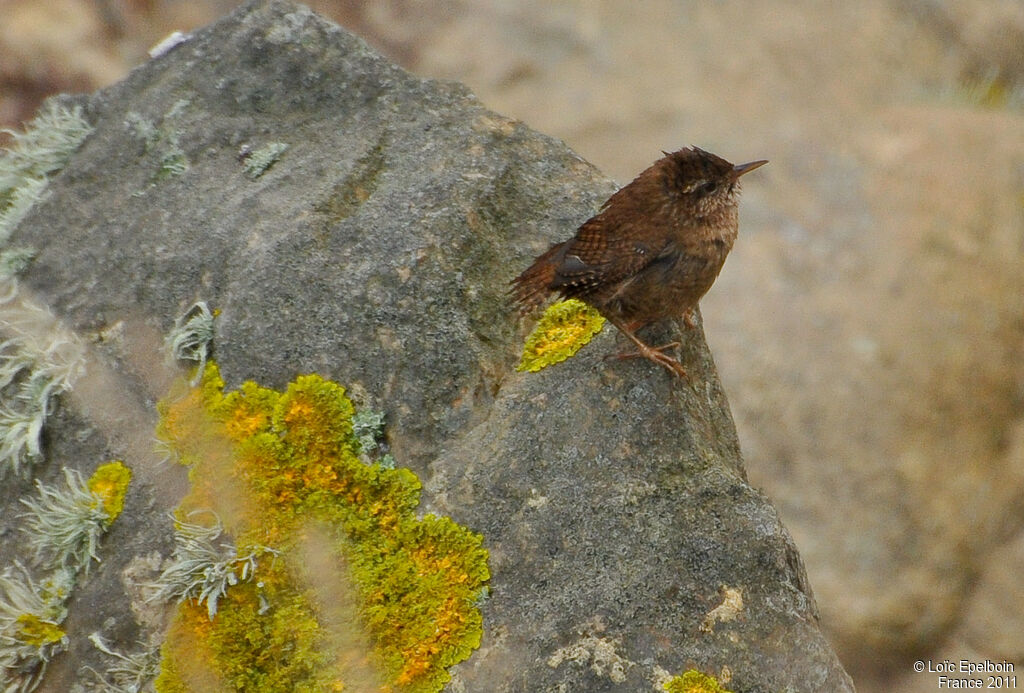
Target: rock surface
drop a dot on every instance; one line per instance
(625, 541)
(895, 133)
(867, 324)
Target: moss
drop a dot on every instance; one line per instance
(293, 465)
(693, 681)
(110, 484)
(36, 632)
(563, 330)
(347, 196)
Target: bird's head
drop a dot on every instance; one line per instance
(703, 183)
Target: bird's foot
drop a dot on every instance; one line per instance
(688, 319)
(657, 355)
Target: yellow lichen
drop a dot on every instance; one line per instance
(278, 468)
(34, 631)
(563, 330)
(693, 681)
(110, 483)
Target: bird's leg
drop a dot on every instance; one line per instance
(651, 353)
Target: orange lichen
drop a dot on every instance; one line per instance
(110, 484)
(37, 632)
(563, 330)
(292, 462)
(693, 681)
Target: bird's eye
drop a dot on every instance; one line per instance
(709, 187)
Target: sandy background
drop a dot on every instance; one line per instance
(869, 325)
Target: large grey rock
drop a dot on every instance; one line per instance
(867, 324)
(625, 541)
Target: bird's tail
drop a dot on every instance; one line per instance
(533, 286)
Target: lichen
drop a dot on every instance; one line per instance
(292, 470)
(65, 523)
(36, 365)
(161, 141)
(109, 483)
(258, 161)
(64, 526)
(36, 632)
(693, 681)
(30, 618)
(25, 166)
(202, 570)
(44, 147)
(563, 330)
(191, 338)
(20, 201)
(125, 673)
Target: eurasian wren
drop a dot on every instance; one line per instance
(653, 250)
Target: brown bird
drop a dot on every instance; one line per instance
(653, 250)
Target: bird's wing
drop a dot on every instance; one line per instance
(602, 254)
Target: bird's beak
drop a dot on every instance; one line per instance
(740, 169)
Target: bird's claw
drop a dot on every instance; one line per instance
(657, 355)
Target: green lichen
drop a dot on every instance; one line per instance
(280, 468)
(693, 681)
(173, 161)
(563, 330)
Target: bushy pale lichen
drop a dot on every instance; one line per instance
(191, 337)
(20, 201)
(64, 526)
(258, 161)
(44, 147)
(65, 523)
(278, 468)
(126, 673)
(29, 373)
(203, 568)
(563, 330)
(162, 142)
(35, 366)
(30, 618)
(693, 681)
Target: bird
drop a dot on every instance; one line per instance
(651, 252)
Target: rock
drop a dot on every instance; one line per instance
(867, 324)
(349, 219)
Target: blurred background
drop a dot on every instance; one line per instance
(869, 325)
